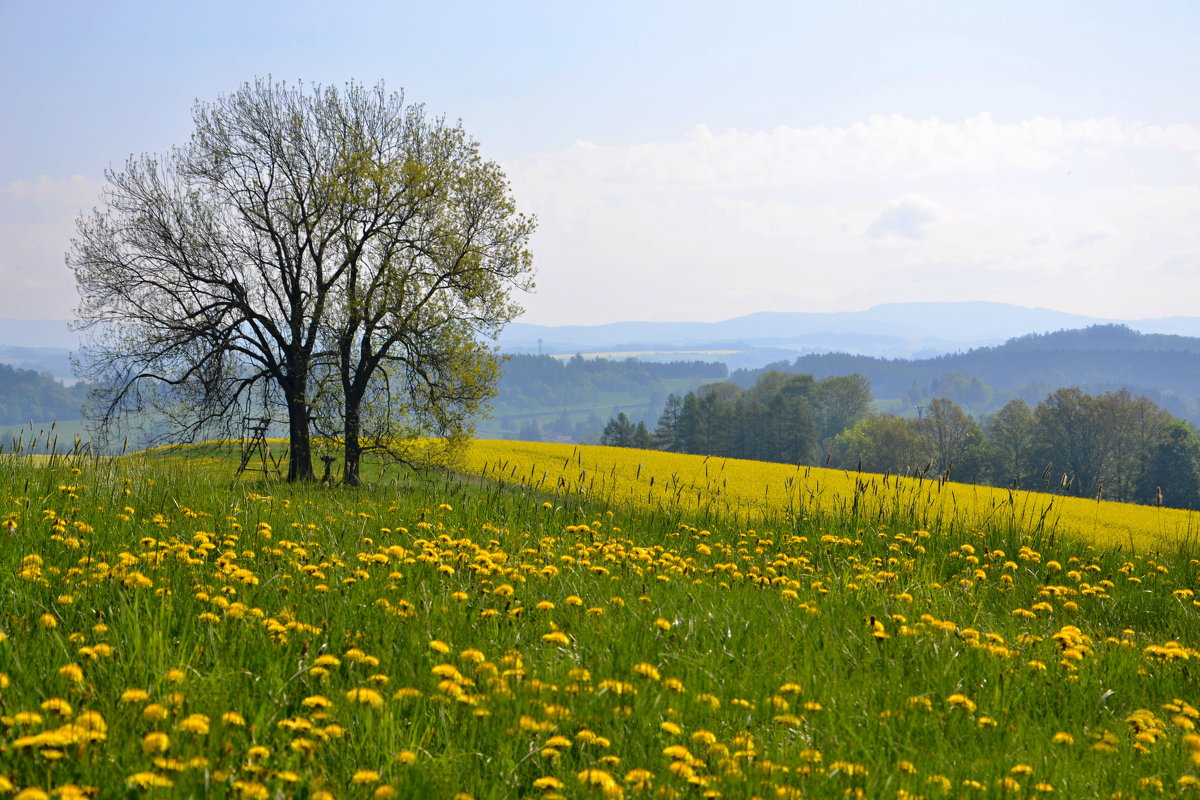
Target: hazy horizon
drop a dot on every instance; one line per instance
(687, 162)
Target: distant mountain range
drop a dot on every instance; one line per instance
(892, 330)
(1097, 359)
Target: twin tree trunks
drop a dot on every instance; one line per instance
(335, 252)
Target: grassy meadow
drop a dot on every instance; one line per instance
(558, 624)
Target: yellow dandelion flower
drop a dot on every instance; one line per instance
(365, 776)
(155, 713)
(598, 778)
(366, 697)
(56, 705)
(303, 745)
(72, 672)
(317, 701)
(556, 637)
(194, 723)
(149, 780)
(646, 671)
(473, 656)
(677, 752)
(156, 742)
(251, 790)
(639, 776)
(439, 646)
(962, 702)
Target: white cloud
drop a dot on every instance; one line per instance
(1072, 214)
(907, 217)
(1180, 262)
(1084, 215)
(881, 149)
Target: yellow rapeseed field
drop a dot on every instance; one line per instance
(756, 491)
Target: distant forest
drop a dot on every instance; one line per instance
(1110, 446)
(27, 395)
(1102, 411)
(546, 398)
(1099, 412)
(1099, 359)
(544, 381)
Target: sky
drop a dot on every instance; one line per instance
(687, 161)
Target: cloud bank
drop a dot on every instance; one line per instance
(1095, 216)
(1088, 216)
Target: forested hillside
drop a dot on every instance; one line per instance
(1098, 359)
(28, 395)
(1113, 445)
(546, 398)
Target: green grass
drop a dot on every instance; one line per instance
(243, 587)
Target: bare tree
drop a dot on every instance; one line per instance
(329, 246)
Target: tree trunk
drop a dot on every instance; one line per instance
(353, 448)
(300, 466)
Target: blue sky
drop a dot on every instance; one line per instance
(689, 160)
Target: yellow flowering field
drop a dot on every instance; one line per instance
(165, 632)
(755, 490)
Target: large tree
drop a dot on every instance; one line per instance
(329, 254)
(1013, 435)
(955, 436)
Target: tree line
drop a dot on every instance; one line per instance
(1097, 359)
(1113, 445)
(26, 395)
(535, 382)
(782, 417)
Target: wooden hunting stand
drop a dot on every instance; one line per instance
(256, 444)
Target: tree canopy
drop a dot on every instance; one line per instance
(335, 258)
